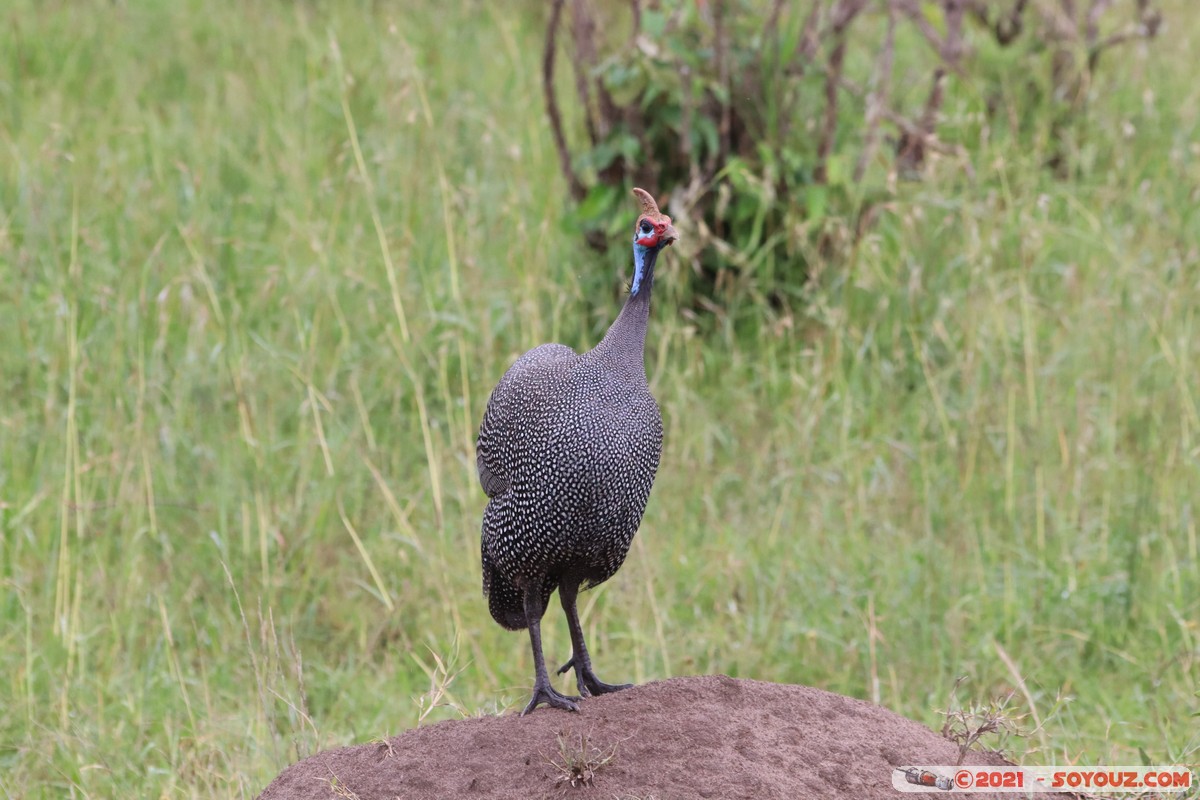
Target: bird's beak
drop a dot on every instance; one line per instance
(670, 235)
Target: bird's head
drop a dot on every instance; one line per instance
(653, 229)
(651, 233)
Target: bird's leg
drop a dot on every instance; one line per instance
(543, 692)
(585, 676)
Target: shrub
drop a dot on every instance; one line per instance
(774, 128)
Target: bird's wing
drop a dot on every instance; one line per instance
(492, 483)
(508, 400)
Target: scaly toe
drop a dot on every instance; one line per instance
(551, 698)
(595, 686)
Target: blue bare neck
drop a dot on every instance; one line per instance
(643, 268)
(623, 347)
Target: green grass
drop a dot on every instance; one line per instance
(243, 357)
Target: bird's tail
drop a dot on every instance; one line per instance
(505, 600)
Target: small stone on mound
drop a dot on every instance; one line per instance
(703, 737)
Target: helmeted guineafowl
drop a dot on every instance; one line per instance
(567, 452)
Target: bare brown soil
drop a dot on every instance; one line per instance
(682, 738)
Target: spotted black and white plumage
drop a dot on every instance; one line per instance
(567, 453)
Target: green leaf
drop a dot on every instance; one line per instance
(816, 199)
(835, 170)
(597, 158)
(597, 203)
(654, 22)
(933, 13)
(627, 145)
(707, 135)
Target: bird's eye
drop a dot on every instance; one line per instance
(647, 227)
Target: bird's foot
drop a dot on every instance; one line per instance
(589, 684)
(545, 693)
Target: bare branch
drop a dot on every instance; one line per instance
(953, 46)
(1006, 27)
(1069, 11)
(878, 98)
(1092, 23)
(912, 10)
(583, 32)
(721, 35)
(773, 19)
(911, 147)
(686, 113)
(1009, 28)
(807, 46)
(843, 14)
(840, 18)
(1144, 30)
(829, 125)
(934, 104)
(560, 141)
(1059, 23)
